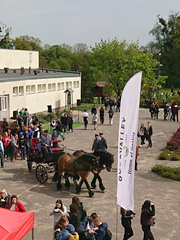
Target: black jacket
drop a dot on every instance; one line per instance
(146, 215)
(75, 221)
(6, 203)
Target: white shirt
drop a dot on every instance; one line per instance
(85, 114)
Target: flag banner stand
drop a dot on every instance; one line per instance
(128, 125)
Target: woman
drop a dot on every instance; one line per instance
(83, 212)
(15, 205)
(126, 216)
(147, 219)
(4, 199)
(149, 134)
(94, 119)
(58, 211)
(142, 133)
(6, 141)
(64, 231)
(101, 113)
(74, 216)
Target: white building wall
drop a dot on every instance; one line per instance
(14, 59)
(38, 101)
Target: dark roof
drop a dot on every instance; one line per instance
(11, 76)
(68, 90)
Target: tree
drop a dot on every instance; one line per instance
(116, 62)
(166, 35)
(28, 43)
(4, 35)
(80, 48)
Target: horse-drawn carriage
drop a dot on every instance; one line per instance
(78, 164)
(45, 162)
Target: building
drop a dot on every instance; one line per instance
(25, 85)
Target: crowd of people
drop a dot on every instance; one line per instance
(75, 224)
(10, 202)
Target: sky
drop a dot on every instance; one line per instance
(82, 21)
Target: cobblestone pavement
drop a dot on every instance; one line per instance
(162, 192)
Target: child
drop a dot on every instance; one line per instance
(13, 148)
(22, 145)
(16, 139)
(37, 148)
(6, 144)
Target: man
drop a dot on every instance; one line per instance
(111, 114)
(21, 112)
(46, 142)
(175, 112)
(36, 132)
(93, 110)
(85, 118)
(34, 119)
(86, 227)
(4, 199)
(103, 143)
(5, 125)
(96, 142)
(101, 232)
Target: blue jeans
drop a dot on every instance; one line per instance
(23, 152)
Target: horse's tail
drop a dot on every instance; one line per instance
(55, 177)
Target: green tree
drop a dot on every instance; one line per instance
(166, 35)
(115, 62)
(28, 43)
(4, 35)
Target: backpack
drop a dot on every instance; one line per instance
(108, 235)
(64, 234)
(110, 113)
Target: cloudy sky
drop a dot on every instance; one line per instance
(83, 21)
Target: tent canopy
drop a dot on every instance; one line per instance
(15, 225)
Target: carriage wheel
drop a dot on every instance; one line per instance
(29, 164)
(41, 174)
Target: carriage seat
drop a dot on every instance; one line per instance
(55, 146)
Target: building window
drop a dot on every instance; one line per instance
(62, 85)
(28, 89)
(70, 84)
(67, 85)
(15, 91)
(77, 84)
(74, 84)
(39, 88)
(53, 87)
(3, 103)
(58, 86)
(49, 87)
(33, 89)
(44, 88)
(21, 90)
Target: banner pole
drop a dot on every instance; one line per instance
(116, 222)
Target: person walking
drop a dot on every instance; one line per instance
(101, 113)
(103, 143)
(96, 143)
(126, 216)
(94, 120)
(175, 111)
(85, 118)
(142, 134)
(111, 114)
(147, 219)
(149, 134)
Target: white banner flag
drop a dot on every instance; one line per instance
(128, 124)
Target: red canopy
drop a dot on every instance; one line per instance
(15, 225)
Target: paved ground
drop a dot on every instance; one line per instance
(164, 193)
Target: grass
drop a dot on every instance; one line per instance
(74, 126)
(86, 106)
(167, 172)
(168, 90)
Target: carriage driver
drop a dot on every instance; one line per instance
(46, 142)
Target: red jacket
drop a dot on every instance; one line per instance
(19, 207)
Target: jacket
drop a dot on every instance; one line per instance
(101, 232)
(18, 207)
(103, 144)
(6, 203)
(58, 215)
(146, 215)
(82, 228)
(95, 145)
(65, 235)
(75, 221)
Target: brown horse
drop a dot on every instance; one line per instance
(73, 166)
(105, 158)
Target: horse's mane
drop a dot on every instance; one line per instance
(104, 154)
(87, 157)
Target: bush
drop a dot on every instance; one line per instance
(163, 156)
(170, 148)
(168, 172)
(174, 157)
